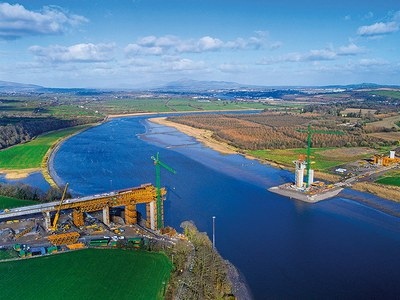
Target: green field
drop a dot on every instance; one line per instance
(391, 94)
(87, 274)
(30, 155)
(8, 202)
(322, 160)
(119, 106)
(390, 178)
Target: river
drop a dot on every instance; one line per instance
(286, 249)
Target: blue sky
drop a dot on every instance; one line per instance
(137, 43)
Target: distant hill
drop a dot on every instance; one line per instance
(179, 86)
(362, 86)
(196, 85)
(9, 87)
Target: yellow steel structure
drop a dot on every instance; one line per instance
(54, 227)
(382, 160)
(23, 232)
(64, 238)
(129, 198)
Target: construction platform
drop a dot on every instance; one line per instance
(289, 190)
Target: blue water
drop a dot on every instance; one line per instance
(286, 249)
(35, 179)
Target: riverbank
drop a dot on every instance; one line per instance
(21, 160)
(206, 138)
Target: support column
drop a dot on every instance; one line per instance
(47, 220)
(153, 213)
(106, 215)
(148, 215)
(130, 214)
(310, 177)
(162, 213)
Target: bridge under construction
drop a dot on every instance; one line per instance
(127, 198)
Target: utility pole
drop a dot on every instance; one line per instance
(213, 231)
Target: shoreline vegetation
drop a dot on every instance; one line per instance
(205, 136)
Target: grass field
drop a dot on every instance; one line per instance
(324, 158)
(30, 155)
(87, 274)
(390, 178)
(391, 94)
(7, 254)
(8, 202)
(118, 106)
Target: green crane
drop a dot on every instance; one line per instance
(309, 132)
(158, 163)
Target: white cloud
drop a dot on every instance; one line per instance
(16, 21)
(368, 62)
(379, 28)
(171, 45)
(75, 53)
(351, 49)
(165, 64)
(233, 68)
(316, 55)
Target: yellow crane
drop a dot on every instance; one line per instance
(54, 226)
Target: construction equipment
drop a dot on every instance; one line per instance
(309, 132)
(23, 232)
(54, 226)
(64, 238)
(158, 163)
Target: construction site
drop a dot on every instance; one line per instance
(305, 188)
(99, 220)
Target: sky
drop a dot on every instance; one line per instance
(141, 43)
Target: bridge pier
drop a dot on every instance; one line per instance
(106, 215)
(47, 220)
(130, 214)
(150, 215)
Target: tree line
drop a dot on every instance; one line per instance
(16, 130)
(27, 192)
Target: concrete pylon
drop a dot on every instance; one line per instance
(106, 215)
(299, 172)
(310, 177)
(47, 220)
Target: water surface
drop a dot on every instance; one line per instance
(286, 249)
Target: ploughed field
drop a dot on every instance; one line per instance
(87, 274)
